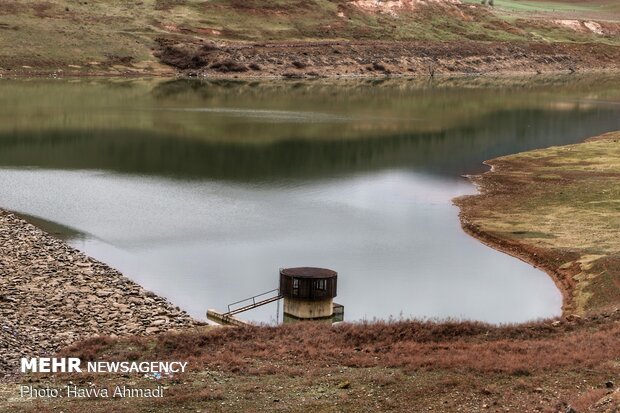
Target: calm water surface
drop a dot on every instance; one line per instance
(200, 191)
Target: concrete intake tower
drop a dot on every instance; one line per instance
(308, 293)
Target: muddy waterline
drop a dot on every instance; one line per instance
(200, 191)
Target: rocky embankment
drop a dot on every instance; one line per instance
(52, 295)
(377, 58)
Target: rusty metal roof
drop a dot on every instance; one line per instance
(308, 272)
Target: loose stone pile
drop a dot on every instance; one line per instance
(52, 295)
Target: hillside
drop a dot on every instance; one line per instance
(273, 37)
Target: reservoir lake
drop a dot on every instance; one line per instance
(201, 190)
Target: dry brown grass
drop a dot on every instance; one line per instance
(291, 349)
(588, 399)
(381, 366)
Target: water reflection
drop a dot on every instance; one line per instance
(199, 130)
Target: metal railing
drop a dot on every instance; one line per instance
(254, 303)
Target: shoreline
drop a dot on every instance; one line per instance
(53, 295)
(518, 251)
(176, 74)
(569, 274)
(335, 59)
(514, 249)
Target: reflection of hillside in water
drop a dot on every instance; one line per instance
(247, 131)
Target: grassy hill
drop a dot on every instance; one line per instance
(69, 36)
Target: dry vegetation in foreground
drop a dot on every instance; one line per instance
(549, 366)
(557, 208)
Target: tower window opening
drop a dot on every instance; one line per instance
(295, 286)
